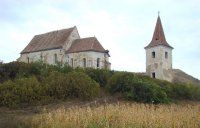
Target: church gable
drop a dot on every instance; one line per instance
(48, 41)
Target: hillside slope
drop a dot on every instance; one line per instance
(178, 75)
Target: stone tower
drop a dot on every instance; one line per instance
(158, 54)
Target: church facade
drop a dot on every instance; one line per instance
(66, 47)
(159, 55)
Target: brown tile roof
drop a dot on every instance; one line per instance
(158, 36)
(86, 44)
(46, 41)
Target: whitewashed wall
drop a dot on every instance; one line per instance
(159, 63)
(91, 59)
(47, 56)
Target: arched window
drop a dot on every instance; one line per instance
(55, 58)
(72, 62)
(153, 54)
(84, 62)
(41, 57)
(28, 60)
(98, 62)
(166, 55)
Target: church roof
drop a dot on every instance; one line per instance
(86, 44)
(47, 41)
(158, 36)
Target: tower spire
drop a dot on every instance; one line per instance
(158, 36)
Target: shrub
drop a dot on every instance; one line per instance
(13, 70)
(39, 69)
(186, 91)
(71, 85)
(23, 90)
(133, 87)
(81, 86)
(56, 84)
(101, 76)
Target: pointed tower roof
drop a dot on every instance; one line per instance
(158, 36)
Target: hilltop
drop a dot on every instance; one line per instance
(180, 76)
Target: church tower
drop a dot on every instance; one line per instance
(158, 54)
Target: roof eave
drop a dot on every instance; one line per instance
(60, 47)
(85, 51)
(158, 45)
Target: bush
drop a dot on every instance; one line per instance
(185, 91)
(13, 70)
(133, 87)
(101, 76)
(24, 90)
(71, 85)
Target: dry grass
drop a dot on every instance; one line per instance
(121, 115)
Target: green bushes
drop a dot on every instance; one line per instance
(24, 90)
(101, 76)
(71, 85)
(56, 86)
(29, 83)
(144, 89)
(13, 70)
(133, 87)
(186, 91)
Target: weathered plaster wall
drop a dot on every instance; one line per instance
(47, 56)
(91, 59)
(159, 64)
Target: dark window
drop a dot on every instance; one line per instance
(55, 58)
(153, 75)
(166, 55)
(28, 59)
(153, 54)
(98, 62)
(84, 62)
(41, 57)
(72, 62)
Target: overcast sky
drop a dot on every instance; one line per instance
(124, 27)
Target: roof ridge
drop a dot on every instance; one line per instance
(48, 40)
(55, 31)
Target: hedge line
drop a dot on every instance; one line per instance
(29, 83)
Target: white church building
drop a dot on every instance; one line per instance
(65, 46)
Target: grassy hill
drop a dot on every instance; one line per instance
(180, 76)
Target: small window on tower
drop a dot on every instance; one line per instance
(153, 54)
(166, 55)
(153, 75)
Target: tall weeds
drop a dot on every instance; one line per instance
(121, 115)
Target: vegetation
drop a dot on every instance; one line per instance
(121, 115)
(71, 85)
(22, 83)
